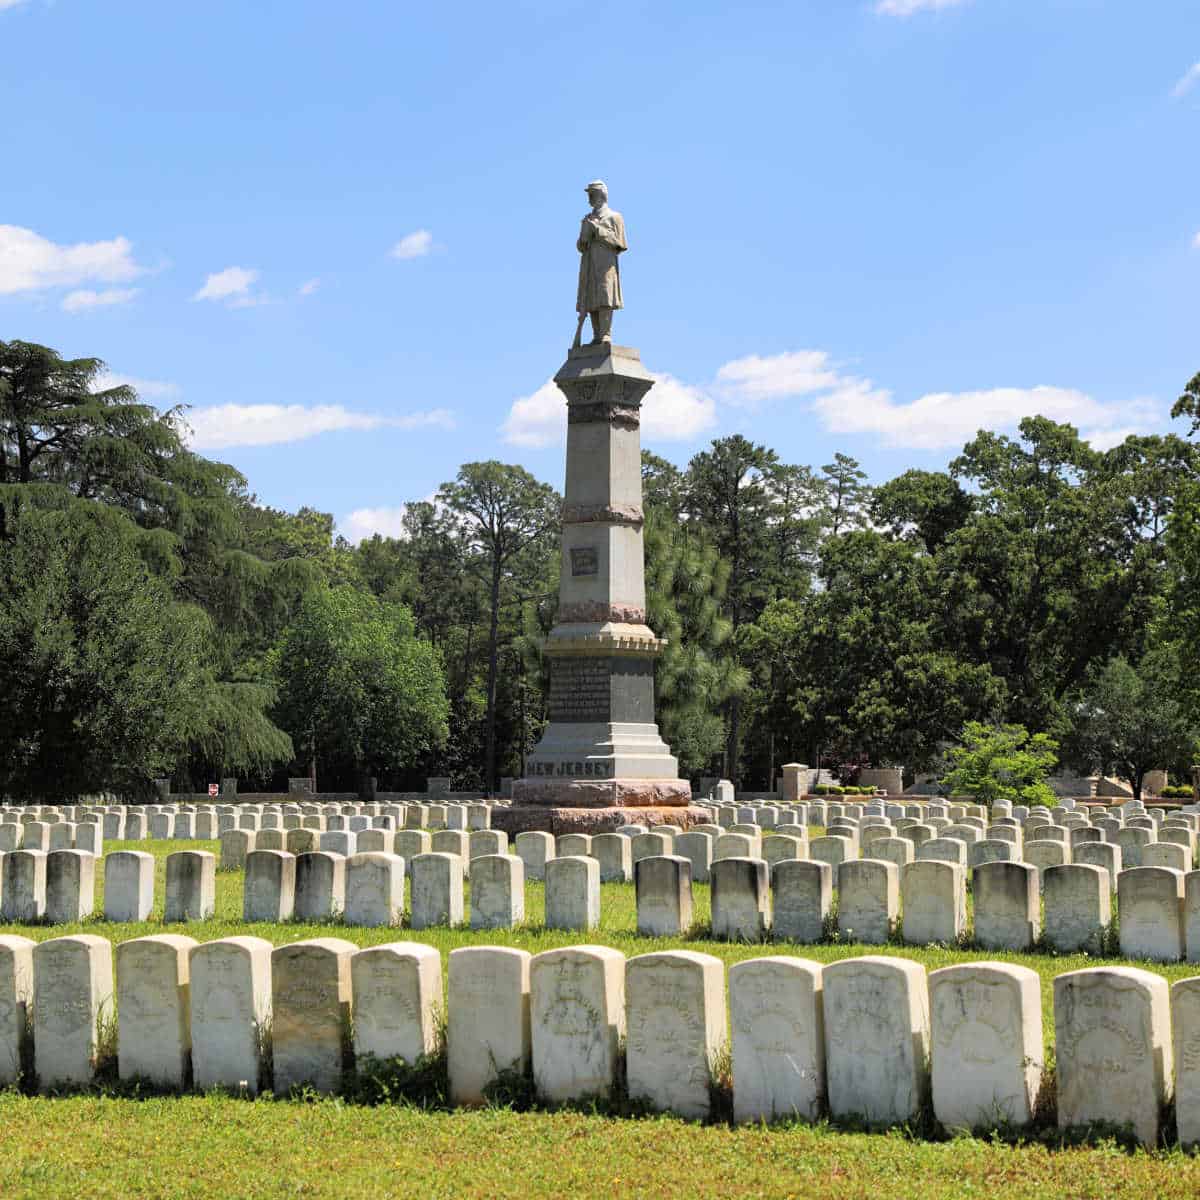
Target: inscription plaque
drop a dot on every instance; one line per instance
(584, 560)
(579, 689)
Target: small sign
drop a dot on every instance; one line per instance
(213, 789)
(584, 561)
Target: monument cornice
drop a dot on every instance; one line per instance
(603, 645)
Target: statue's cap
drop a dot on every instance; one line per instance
(597, 185)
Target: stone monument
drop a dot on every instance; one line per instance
(601, 762)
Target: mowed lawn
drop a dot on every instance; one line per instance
(107, 1145)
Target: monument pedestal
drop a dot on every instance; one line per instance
(601, 757)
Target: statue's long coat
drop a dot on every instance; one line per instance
(599, 271)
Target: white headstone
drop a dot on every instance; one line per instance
(535, 849)
(1112, 1033)
(741, 909)
(230, 1012)
(986, 1030)
(675, 1023)
(572, 893)
(23, 886)
(802, 892)
(488, 1026)
(128, 885)
(1078, 907)
(1008, 911)
(310, 1001)
(70, 886)
(876, 1038)
(320, 886)
(72, 991)
(777, 1012)
(16, 1003)
(663, 887)
(934, 898)
(614, 853)
(397, 1000)
(191, 886)
(374, 889)
(868, 900)
(154, 1038)
(497, 891)
(1185, 1025)
(1150, 907)
(436, 890)
(577, 1004)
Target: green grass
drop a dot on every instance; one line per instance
(216, 1146)
(221, 1145)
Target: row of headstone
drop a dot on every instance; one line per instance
(85, 828)
(873, 1038)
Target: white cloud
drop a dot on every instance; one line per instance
(10, 4)
(942, 420)
(1188, 81)
(1196, 242)
(86, 298)
(30, 262)
(906, 8)
(232, 285)
(413, 245)
(673, 411)
(147, 389)
(538, 420)
(224, 425)
(308, 287)
(796, 373)
(363, 522)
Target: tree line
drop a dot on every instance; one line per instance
(157, 620)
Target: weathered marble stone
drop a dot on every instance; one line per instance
(36, 836)
(1150, 904)
(375, 841)
(535, 849)
(1185, 1025)
(697, 848)
(320, 886)
(650, 845)
(675, 1022)
(235, 845)
(270, 839)
(112, 826)
(1078, 907)
(70, 886)
(301, 841)
(990, 850)
(10, 837)
(741, 909)
(89, 838)
(497, 891)
(230, 1006)
(374, 889)
(1100, 854)
(896, 850)
(802, 891)
(1007, 906)
(183, 827)
(479, 816)
(436, 890)
(778, 1053)
(1191, 915)
(868, 900)
(191, 886)
(488, 1026)
(573, 845)
(154, 1038)
(397, 1000)
(23, 886)
(1112, 1032)
(784, 846)
(62, 836)
(577, 1002)
(963, 833)
(572, 892)
(1168, 855)
(416, 817)
(663, 887)
(488, 842)
(341, 842)
(72, 989)
(934, 901)
(16, 1003)
(876, 1038)
(943, 849)
(409, 843)
(1132, 842)
(452, 841)
(128, 885)
(986, 1034)
(833, 850)
(310, 1001)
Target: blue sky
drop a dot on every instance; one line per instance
(344, 234)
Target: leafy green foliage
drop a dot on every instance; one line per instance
(1001, 762)
(356, 685)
